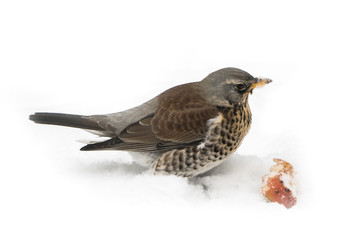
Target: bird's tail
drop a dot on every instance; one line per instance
(68, 120)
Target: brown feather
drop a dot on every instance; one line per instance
(182, 115)
(181, 119)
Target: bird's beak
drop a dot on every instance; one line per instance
(259, 82)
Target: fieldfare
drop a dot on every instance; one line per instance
(188, 129)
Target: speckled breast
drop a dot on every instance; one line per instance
(224, 136)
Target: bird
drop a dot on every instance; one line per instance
(187, 130)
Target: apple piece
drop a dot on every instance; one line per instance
(278, 185)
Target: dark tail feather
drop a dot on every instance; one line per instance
(68, 120)
(106, 145)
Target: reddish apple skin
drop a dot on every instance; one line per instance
(278, 185)
(277, 192)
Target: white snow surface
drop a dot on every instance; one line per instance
(94, 57)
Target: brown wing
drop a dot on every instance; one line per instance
(181, 119)
(182, 115)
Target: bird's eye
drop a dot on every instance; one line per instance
(240, 87)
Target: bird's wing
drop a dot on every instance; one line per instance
(182, 117)
(179, 120)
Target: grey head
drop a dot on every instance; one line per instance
(229, 87)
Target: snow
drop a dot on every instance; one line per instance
(100, 57)
(288, 183)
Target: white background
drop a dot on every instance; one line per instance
(90, 57)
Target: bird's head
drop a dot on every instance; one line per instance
(229, 87)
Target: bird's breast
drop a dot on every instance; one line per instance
(225, 134)
(229, 133)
